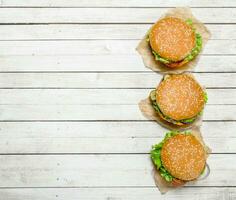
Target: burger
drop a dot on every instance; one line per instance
(178, 99)
(174, 42)
(179, 157)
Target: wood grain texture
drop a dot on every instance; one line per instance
(97, 47)
(70, 83)
(100, 137)
(96, 97)
(105, 80)
(97, 112)
(99, 15)
(94, 31)
(101, 63)
(117, 193)
(98, 171)
(116, 129)
(117, 3)
(67, 145)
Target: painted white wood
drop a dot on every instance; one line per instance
(94, 31)
(116, 129)
(118, 193)
(97, 112)
(116, 3)
(98, 145)
(105, 15)
(95, 96)
(98, 171)
(101, 63)
(97, 47)
(101, 137)
(105, 80)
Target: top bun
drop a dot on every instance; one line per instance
(180, 97)
(172, 38)
(183, 156)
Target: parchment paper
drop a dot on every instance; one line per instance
(145, 51)
(165, 186)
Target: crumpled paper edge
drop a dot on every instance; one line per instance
(163, 185)
(145, 51)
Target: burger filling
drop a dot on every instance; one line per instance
(156, 157)
(169, 119)
(194, 52)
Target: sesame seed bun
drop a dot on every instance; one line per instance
(180, 97)
(172, 38)
(183, 156)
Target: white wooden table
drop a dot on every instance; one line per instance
(70, 81)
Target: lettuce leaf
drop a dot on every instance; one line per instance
(188, 121)
(195, 51)
(189, 22)
(205, 97)
(156, 157)
(161, 59)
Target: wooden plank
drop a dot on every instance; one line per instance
(117, 129)
(96, 47)
(116, 3)
(105, 80)
(94, 31)
(100, 15)
(96, 97)
(96, 171)
(109, 137)
(101, 63)
(97, 145)
(118, 193)
(97, 112)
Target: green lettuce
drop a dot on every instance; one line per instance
(188, 121)
(156, 157)
(195, 51)
(205, 97)
(161, 59)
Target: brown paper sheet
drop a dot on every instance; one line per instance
(164, 186)
(148, 58)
